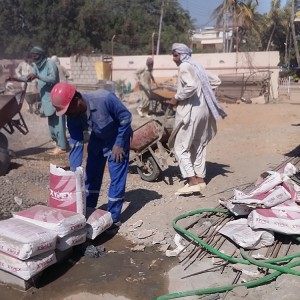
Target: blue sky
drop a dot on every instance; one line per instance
(201, 9)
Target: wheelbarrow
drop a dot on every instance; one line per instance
(10, 119)
(149, 148)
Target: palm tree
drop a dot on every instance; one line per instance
(294, 33)
(240, 13)
(274, 17)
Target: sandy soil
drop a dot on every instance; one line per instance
(252, 139)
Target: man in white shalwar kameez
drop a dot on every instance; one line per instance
(195, 121)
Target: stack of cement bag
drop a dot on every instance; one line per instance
(25, 249)
(67, 191)
(272, 206)
(32, 238)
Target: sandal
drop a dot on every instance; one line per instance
(188, 189)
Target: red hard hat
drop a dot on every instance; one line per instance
(61, 97)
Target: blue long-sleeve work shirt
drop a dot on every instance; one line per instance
(108, 119)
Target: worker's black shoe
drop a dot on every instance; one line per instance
(114, 228)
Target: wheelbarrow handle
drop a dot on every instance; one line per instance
(164, 121)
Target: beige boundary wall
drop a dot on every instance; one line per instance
(217, 63)
(83, 70)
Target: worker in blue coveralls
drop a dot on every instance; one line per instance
(110, 124)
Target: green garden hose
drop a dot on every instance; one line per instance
(247, 260)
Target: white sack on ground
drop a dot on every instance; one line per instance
(26, 269)
(293, 188)
(67, 189)
(241, 234)
(271, 180)
(271, 198)
(72, 239)
(289, 169)
(98, 221)
(284, 218)
(61, 221)
(23, 240)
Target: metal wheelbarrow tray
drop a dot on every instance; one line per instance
(10, 119)
(150, 150)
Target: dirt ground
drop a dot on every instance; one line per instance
(252, 139)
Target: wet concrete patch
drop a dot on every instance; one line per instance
(118, 274)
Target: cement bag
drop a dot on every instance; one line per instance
(263, 185)
(62, 222)
(26, 269)
(271, 198)
(284, 218)
(241, 234)
(72, 239)
(293, 188)
(67, 189)
(289, 169)
(98, 221)
(22, 240)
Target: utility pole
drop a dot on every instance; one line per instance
(160, 25)
(152, 45)
(112, 56)
(224, 27)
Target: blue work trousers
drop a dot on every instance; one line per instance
(95, 166)
(76, 126)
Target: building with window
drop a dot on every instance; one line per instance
(210, 39)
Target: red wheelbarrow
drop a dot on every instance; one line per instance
(149, 148)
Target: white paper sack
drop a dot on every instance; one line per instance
(272, 180)
(26, 269)
(67, 189)
(293, 188)
(60, 221)
(23, 240)
(236, 209)
(284, 218)
(178, 249)
(98, 221)
(72, 239)
(289, 170)
(274, 197)
(241, 234)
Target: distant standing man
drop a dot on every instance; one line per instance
(24, 68)
(63, 73)
(145, 78)
(195, 121)
(110, 122)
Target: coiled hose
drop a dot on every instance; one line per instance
(247, 260)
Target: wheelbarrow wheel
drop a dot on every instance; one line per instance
(4, 161)
(3, 141)
(150, 170)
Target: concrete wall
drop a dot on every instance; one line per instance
(83, 70)
(123, 67)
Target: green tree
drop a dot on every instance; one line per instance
(239, 14)
(68, 27)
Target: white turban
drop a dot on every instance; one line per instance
(181, 49)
